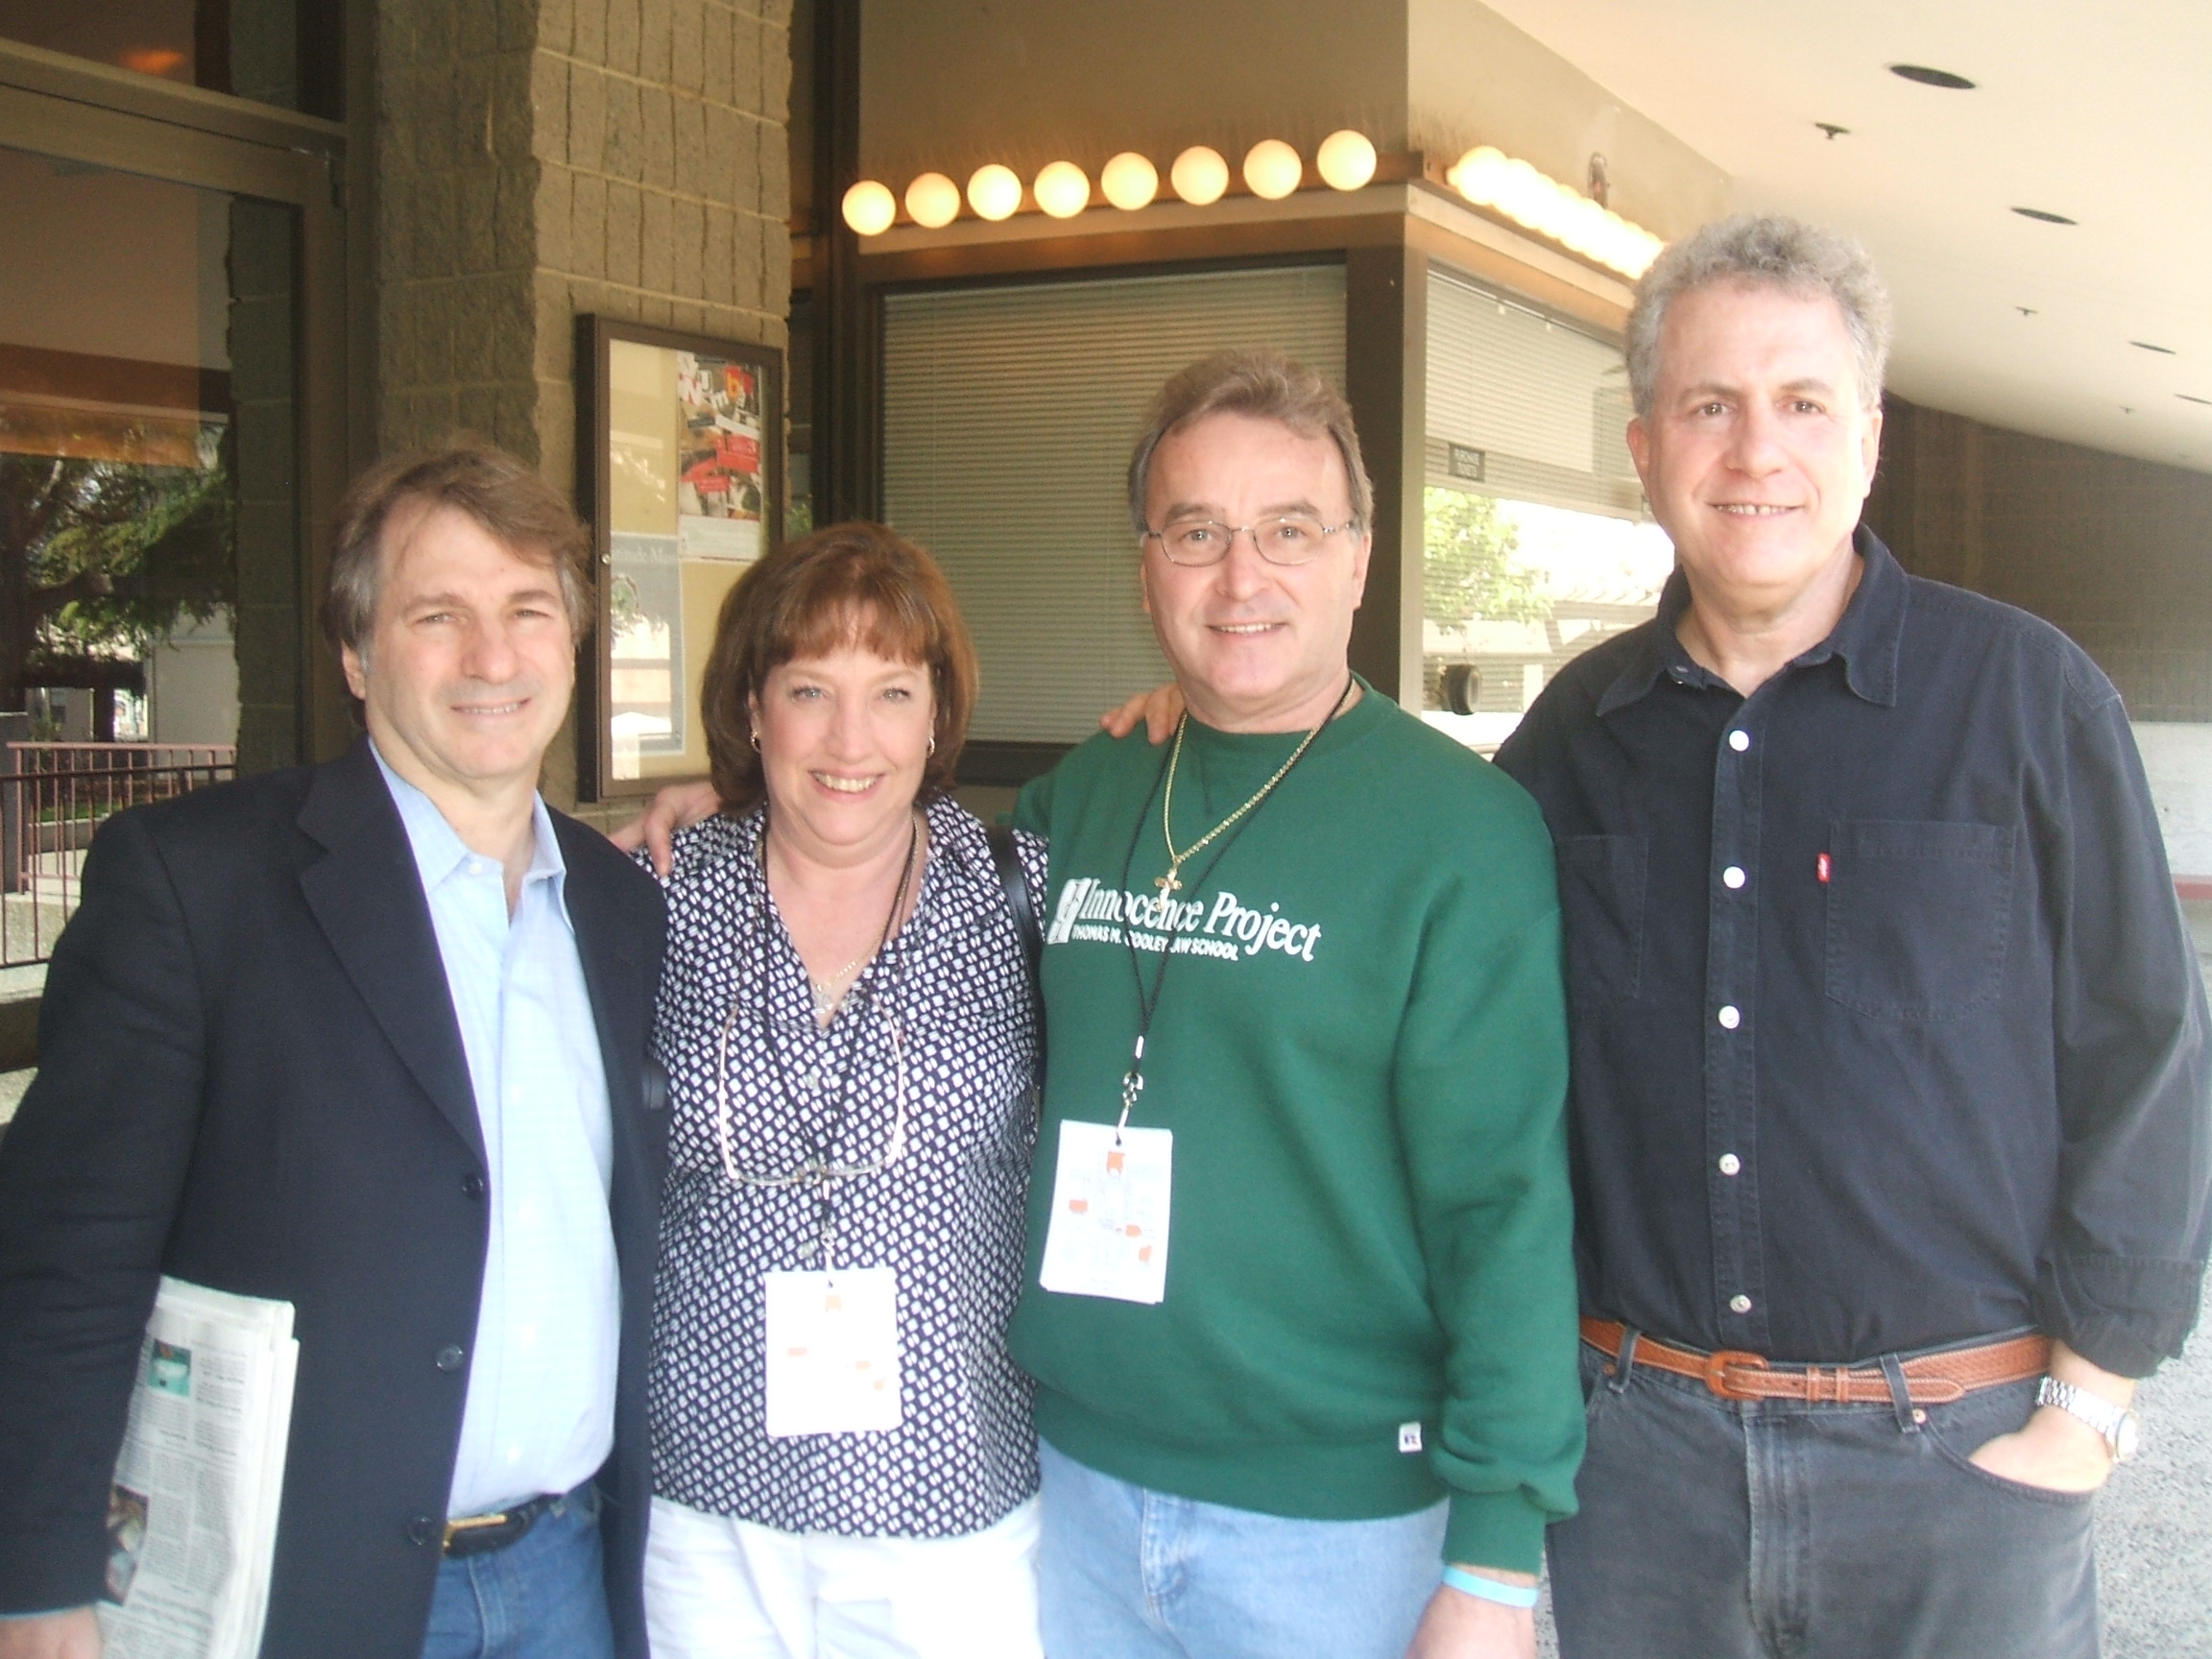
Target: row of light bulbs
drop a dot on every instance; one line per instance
(1199, 176)
(1272, 170)
(1489, 177)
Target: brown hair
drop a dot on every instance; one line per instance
(847, 583)
(506, 498)
(1267, 386)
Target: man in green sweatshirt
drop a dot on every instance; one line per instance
(1301, 1301)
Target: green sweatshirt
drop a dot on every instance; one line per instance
(1361, 1050)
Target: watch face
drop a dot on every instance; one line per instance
(2125, 1442)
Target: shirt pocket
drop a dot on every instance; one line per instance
(1919, 917)
(1602, 882)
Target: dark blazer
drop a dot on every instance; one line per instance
(251, 1076)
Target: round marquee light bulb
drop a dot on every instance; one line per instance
(869, 207)
(933, 201)
(993, 191)
(1062, 189)
(1199, 176)
(1345, 160)
(1272, 169)
(1129, 181)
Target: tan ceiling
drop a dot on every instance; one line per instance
(2102, 112)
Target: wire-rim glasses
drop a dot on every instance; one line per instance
(1287, 539)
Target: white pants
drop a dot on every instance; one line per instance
(718, 1588)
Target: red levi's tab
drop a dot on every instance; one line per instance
(1824, 868)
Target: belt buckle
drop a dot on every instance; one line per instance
(1718, 1364)
(468, 1523)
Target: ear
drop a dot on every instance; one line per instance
(1361, 555)
(1870, 449)
(357, 668)
(1639, 437)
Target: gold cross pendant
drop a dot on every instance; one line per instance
(1167, 883)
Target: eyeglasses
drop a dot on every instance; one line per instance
(1294, 539)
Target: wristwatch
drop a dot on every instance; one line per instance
(2115, 1423)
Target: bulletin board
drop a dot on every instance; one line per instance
(681, 441)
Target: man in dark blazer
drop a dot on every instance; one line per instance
(273, 1062)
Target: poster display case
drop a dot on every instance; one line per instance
(682, 472)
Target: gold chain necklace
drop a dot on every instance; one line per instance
(1171, 882)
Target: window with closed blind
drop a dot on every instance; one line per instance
(1008, 416)
(1537, 541)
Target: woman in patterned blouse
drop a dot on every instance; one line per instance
(842, 1457)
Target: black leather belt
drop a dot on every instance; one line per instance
(481, 1534)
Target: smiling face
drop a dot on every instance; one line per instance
(843, 738)
(1256, 647)
(1759, 450)
(470, 665)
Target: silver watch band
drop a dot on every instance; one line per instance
(2116, 1424)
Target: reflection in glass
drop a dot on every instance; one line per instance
(280, 52)
(118, 512)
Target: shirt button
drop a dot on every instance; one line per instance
(449, 1357)
(1732, 877)
(473, 1186)
(1739, 1304)
(1738, 741)
(1730, 1163)
(1729, 1017)
(421, 1529)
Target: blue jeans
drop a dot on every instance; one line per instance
(544, 1597)
(1713, 1529)
(1124, 1573)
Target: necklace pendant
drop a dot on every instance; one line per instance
(1168, 883)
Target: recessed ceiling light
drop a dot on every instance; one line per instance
(2186, 398)
(2039, 215)
(1928, 77)
(2146, 346)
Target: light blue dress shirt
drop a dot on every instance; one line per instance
(540, 1406)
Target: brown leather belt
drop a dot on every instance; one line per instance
(1930, 1378)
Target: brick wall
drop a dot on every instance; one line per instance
(540, 160)
(2117, 552)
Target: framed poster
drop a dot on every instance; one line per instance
(681, 464)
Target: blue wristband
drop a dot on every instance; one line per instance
(1490, 1589)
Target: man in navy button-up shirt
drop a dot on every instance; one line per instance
(1888, 1046)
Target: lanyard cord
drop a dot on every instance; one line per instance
(817, 1168)
(1148, 1003)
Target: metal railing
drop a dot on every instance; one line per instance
(52, 796)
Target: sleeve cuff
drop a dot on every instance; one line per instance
(1495, 1530)
(2127, 1314)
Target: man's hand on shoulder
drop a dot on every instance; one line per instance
(1458, 1625)
(71, 1635)
(1160, 709)
(677, 807)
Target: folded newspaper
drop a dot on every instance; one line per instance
(192, 1516)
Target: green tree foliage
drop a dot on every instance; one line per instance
(99, 556)
(1470, 571)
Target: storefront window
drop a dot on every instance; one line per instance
(1537, 541)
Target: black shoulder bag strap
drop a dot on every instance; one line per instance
(1015, 880)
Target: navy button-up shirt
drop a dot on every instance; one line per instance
(1886, 1031)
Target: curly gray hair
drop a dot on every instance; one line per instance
(1772, 250)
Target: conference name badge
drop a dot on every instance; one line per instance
(1107, 1235)
(832, 1352)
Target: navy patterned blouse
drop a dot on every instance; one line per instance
(925, 1080)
